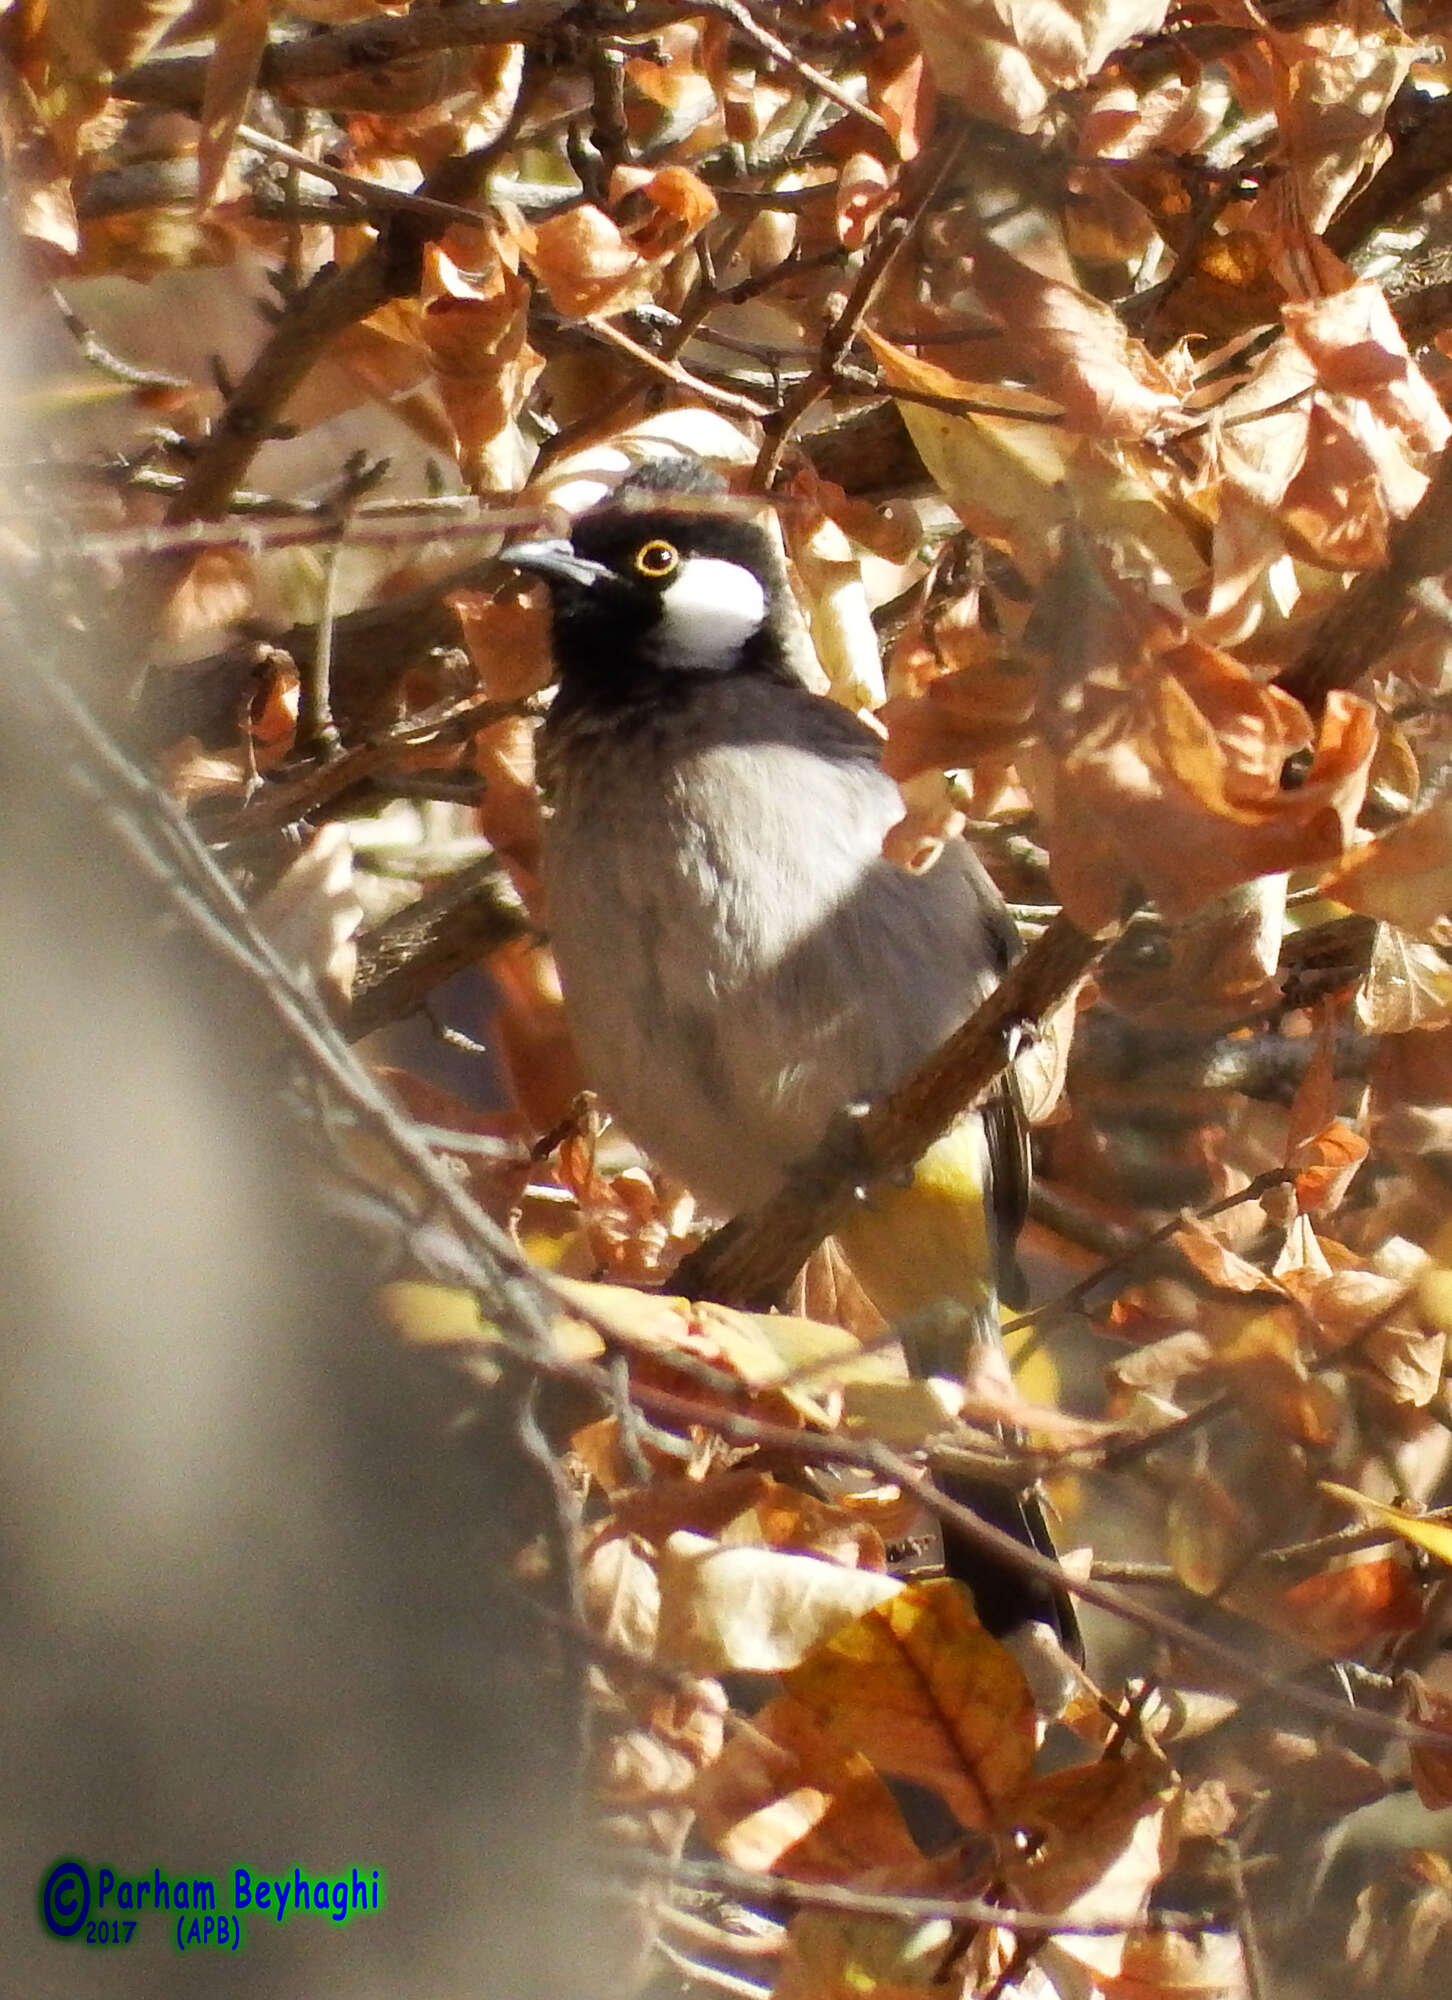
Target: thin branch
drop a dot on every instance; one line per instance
(720, 399)
(747, 25)
(373, 196)
(921, 182)
(327, 306)
(334, 300)
(284, 800)
(748, 1884)
(873, 1456)
(1124, 1261)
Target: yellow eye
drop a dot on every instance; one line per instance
(656, 559)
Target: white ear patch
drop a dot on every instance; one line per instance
(708, 611)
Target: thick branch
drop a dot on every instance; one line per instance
(1420, 128)
(330, 304)
(362, 45)
(334, 300)
(402, 961)
(753, 1259)
(1356, 633)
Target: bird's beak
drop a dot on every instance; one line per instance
(555, 561)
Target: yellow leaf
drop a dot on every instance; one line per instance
(923, 1691)
(1433, 1536)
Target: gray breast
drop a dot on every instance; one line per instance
(738, 960)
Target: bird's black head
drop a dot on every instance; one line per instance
(658, 585)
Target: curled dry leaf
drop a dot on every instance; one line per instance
(485, 368)
(1008, 475)
(589, 262)
(1207, 1533)
(1408, 986)
(1326, 1164)
(237, 52)
(621, 1593)
(743, 1507)
(1431, 1768)
(1099, 1838)
(1404, 876)
(1339, 1612)
(1332, 82)
(586, 263)
(1163, 758)
(1074, 348)
(1175, 1965)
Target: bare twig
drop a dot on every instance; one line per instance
(720, 399)
(744, 1882)
(284, 800)
(333, 301)
(374, 196)
(919, 185)
(746, 24)
(1124, 1260)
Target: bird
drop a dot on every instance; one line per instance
(739, 959)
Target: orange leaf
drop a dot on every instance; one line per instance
(789, 1793)
(927, 1694)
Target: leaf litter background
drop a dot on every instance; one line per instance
(1095, 356)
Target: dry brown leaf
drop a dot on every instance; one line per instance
(1404, 876)
(1005, 61)
(792, 1793)
(900, 90)
(213, 592)
(754, 1610)
(312, 915)
(1408, 986)
(586, 263)
(506, 635)
(1431, 1769)
(237, 51)
(748, 1507)
(1332, 84)
(1074, 348)
(1341, 1611)
(1008, 476)
(1163, 758)
(1097, 1840)
(1326, 1165)
(927, 1694)
(1207, 1533)
(484, 367)
(1174, 1965)
(621, 1593)
(1257, 1345)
